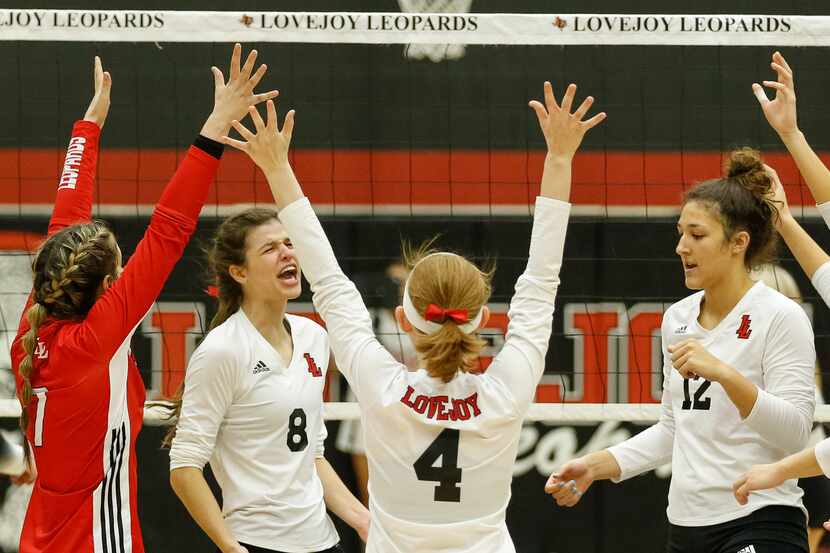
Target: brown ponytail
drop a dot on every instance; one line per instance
(227, 248)
(743, 201)
(450, 282)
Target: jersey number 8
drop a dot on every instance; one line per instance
(297, 437)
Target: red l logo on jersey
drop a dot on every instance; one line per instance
(744, 331)
(312, 365)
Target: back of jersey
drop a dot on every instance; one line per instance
(441, 461)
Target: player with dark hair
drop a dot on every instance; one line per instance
(737, 380)
(252, 405)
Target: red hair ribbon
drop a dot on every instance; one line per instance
(439, 314)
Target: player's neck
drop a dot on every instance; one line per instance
(267, 317)
(721, 298)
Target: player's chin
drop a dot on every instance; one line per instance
(693, 283)
(291, 291)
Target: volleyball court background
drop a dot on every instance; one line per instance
(397, 141)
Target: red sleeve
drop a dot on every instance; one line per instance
(119, 310)
(73, 202)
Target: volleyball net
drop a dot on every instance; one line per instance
(410, 125)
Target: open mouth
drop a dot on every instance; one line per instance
(289, 275)
(687, 266)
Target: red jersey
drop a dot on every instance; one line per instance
(88, 395)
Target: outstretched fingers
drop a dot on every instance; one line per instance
(760, 94)
(236, 56)
(550, 99)
(539, 109)
(259, 124)
(288, 126)
(245, 73)
(595, 120)
(567, 101)
(257, 76)
(243, 130)
(583, 108)
(271, 113)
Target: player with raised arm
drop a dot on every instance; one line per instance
(781, 114)
(441, 441)
(80, 390)
(252, 405)
(738, 380)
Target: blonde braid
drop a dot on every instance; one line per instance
(36, 315)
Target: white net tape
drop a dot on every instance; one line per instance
(452, 27)
(156, 413)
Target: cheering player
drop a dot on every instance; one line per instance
(252, 405)
(80, 390)
(441, 441)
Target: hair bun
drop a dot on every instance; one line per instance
(747, 169)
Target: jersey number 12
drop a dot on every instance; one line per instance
(448, 475)
(700, 403)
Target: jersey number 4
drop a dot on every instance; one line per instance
(448, 475)
(699, 402)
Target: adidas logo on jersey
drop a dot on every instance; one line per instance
(681, 329)
(747, 549)
(260, 367)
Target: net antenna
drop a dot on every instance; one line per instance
(435, 52)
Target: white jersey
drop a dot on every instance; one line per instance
(766, 337)
(259, 424)
(821, 282)
(441, 455)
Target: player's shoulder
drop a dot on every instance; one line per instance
(683, 309)
(305, 324)
(226, 340)
(775, 305)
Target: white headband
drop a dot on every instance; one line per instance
(430, 327)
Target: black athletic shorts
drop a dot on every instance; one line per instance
(816, 499)
(254, 549)
(774, 529)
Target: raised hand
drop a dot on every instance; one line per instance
(99, 106)
(232, 99)
(779, 197)
(569, 483)
(268, 147)
(781, 111)
(564, 130)
(759, 477)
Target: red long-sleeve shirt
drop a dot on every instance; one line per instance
(88, 394)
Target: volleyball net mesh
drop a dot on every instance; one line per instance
(411, 125)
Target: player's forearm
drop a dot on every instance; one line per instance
(190, 485)
(799, 465)
(815, 173)
(808, 253)
(741, 391)
(340, 500)
(284, 185)
(556, 177)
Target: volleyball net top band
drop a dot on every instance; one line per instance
(413, 28)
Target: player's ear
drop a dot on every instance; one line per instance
(485, 316)
(403, 322)
(238, 273)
